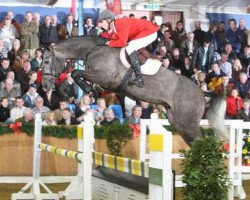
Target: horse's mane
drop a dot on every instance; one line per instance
(76, 39)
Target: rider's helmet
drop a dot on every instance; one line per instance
(106, 14)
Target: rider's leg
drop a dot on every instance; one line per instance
(131, 49)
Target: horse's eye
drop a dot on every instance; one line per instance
(46, 62)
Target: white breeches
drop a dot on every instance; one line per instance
(136, 44)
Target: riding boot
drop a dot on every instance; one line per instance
(83, 85)
(137, 69)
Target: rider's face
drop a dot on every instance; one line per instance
(103, 25)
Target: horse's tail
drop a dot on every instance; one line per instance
(216, 116)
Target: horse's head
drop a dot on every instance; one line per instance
(51, 69)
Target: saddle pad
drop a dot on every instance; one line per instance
(150, 67)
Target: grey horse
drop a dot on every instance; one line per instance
(184, 101)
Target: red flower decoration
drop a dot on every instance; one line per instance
(136, 129)
(16, 127)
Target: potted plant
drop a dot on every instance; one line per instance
(204, 170)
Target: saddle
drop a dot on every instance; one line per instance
(149, 63)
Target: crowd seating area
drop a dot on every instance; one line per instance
(218, 61)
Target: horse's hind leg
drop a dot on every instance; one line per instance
(78, 77)
(186, 125)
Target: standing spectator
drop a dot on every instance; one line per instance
(231, 54)
(3, 50)
(4, 68)
(237, 69)
(37, 61)
(89, 28)
(8, 33)
(109, 117)
(17, 111)
(67, 118)
(188, 46)
(48, 33)
(68, 88)
(226, 66)
(166, 63)
(222, 38)
(101, 106)
(234, 36)
(243, 85)
(244, 112)
(199, 34)
(213, 37)
(39, 107)
(29, 34)
(69, 29)
(4, 110)
(30, 96)
(27, 117)
(234, 104)
(245, 56)
(50, 99)
(244, 32)
(176, 61)
(10, 15)
(179, 34)
(203, 57)
(135, 118)
(14, 53)
(16, 84)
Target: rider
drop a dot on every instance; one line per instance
(138, 33)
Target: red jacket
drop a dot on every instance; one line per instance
(128, 29)
(233, 105)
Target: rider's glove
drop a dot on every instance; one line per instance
(102, 41)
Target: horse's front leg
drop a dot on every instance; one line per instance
(79, 78)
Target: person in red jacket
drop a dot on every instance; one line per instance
(137, 33)
(234, 104)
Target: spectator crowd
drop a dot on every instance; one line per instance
(217, 60)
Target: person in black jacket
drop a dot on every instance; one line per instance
(4, 110)
(48, 33)
(67, 118)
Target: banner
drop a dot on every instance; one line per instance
(114, 5)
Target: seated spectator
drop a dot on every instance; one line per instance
(179, 34)
(136, 115)
(166, 63)
(67, 118)
(49, 119)
(8, 33)
(10, 92)
(27, 117)
(225, 66)
(22, 75)
(129, 104)
(244, 113)
(84, 104)
(109, 117)
(10, 15)
(229, 50)
(225, 88)
(16, 84)
(37, 61)
(146, 110)
(48, 33)
(159, 114)
(234, 104)
(188, 45)
(17, 111)
(101, 106)
(168, 42)
(186, 69)
(32, 79)
(14, 53)
(4, 110)
(4, 68)
(243, 85)
(39, 107)
(50, 98)
(221, 32)
(237, 69)
(68, 88)
(63, 103)
(18, 62)
(3, 50)
(199, 78)
(245, 56)
(176, 61)
(215, 73)
(30, 96)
